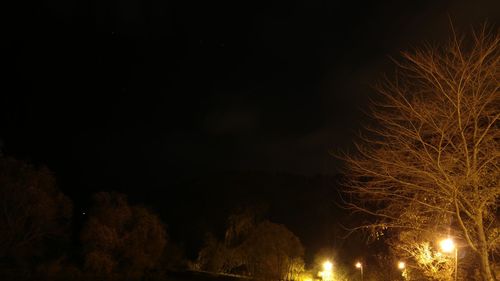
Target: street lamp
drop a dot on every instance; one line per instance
(448, 246)
(360, 266)
(327, 271)
(327, 266)
(401, 265)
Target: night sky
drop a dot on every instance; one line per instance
(174, 102)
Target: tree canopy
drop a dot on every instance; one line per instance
(35, 214)
(254, 247)
(430, 161)
(121, 242)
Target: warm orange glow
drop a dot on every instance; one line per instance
(447, 245)
(305, 276)
(401, 265)
(327, 266)
(358, 265)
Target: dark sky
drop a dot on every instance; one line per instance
(139, 96)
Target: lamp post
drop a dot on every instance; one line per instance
(402, 267)
(360, 266)
(327, 271)
(448, 246)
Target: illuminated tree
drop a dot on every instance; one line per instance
(252, 247)
(423, 257)
(34, 215)
(273, 252)
(215, 256)
(431, 160)
(224, 256)
(121, 242)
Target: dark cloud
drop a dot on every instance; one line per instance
(232, 114)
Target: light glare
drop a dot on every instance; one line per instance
(447, 245)
(327, 266)
(401, 265)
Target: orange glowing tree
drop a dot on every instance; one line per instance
(430, 161)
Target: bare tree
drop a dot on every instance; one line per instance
(431, 161)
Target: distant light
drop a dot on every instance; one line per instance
(83, 213)
(447, 245)
(327, 266)
(401, 265)
(358, 265)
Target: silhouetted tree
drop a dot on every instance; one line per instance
(173, 257)
(241, 222)
(35, 216)
(432, 161)
(121, 242)
(254, 247)
(223, 256)
(214, 256)
(61, 269)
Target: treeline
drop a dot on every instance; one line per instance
(42, 240)
(253, 247)
(117, 241)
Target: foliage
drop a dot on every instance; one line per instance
(35, 216)
(273, 252)
(58, 270)
(214, 256)
(384, 267)
(423, 258)
(173, 257)
(260, 249)
(431, 162)
(241, 223)
(121, 242)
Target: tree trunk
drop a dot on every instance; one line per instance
(485, 268)
(485, 265)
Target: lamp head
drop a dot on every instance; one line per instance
(401, 265)
(447, 245)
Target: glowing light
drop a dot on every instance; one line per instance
(305, 276)
(358, 265)
(401, 265)
(327, 266)
(447, 245)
